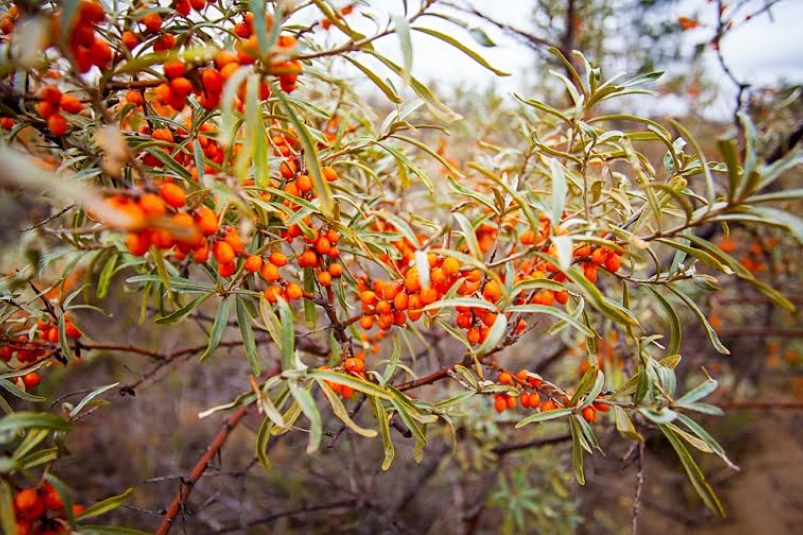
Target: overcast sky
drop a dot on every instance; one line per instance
(763, 51)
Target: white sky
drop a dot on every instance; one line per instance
(763, 51)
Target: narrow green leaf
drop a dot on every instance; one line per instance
(286, 335)
(463, 48)
(321, 187)
(468, 235)
(577, 452)
(18, 392)
(699, 392)
(712, 334)
(559, 190)
(608, 308)
(552, 311)
(359, 385)
(18, 421)
(625, 425)
(263, 437)
(271, 322)
(106, 274)
(89, 397)
(8, 519)
(675, 329)
(221, 322)
(377, 81)
(543, 417)
(340, 411)
(105, 506)
(402, 30)
(384, 428)
(307, 404)
(64, 494)
(247, 334)
(179, 315)
(694, 472)
(494, 336)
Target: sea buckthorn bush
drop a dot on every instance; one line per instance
(205, 162)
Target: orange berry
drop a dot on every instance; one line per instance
(71, 104)
(294, 291)
(173, 194)
(511, 402)
(401, 301)
(601, 407)
(473, 335)
(138, 243)
(163, 93)
(163, 134)
(273, 292)
(304, 183)
(505, 378)
(201, 253)
(46, 109)
(52, 500)
(31, 380)
(429, 295)
(207, 220)
(51, 94)
(278, 259)
(226, 269)
(152, 205)
(253, 263)
(57, 124)
(549, 405)
(335, 270)
(223, 252)
(613, 263)
(589, 414)
(543, 297)
(325, 278)
(233, 239)
(354, 365)
(368, 297)
(130, 40)
(322, 245)
(152, 22)
(367, 322)
(451, 267)
(173, 68)
(71, 331)
(500, 404)
(181, 86)
(224, 58)
(212, 81)
(561, 297)
(308, 258)
(53, 335)
(329, 174)
(412, 281)
(288, 168)
(491, 292)
(25, 500)
(270, 272)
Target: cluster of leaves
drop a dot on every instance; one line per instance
(569, 233)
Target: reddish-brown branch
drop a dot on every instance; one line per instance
(189, 482)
